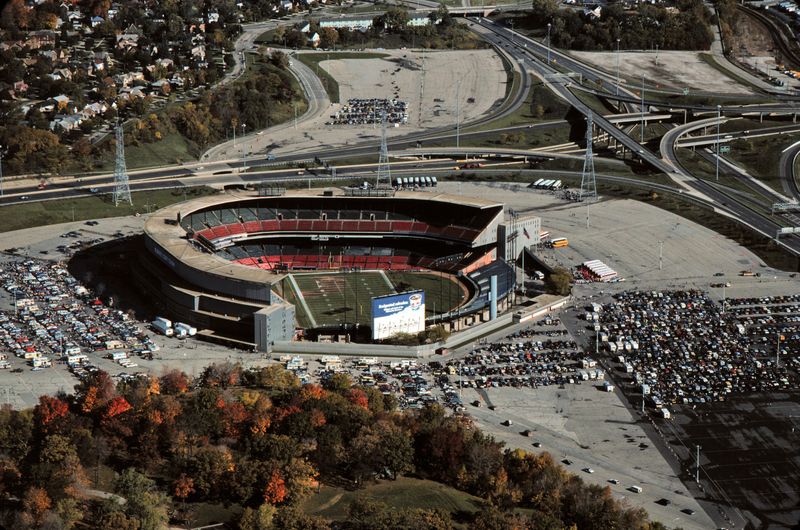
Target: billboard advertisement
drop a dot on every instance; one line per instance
(398, 313)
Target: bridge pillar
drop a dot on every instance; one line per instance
(794, 118)
(761, 117)
(685, 112)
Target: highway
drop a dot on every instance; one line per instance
(786, 166)
(722, 202)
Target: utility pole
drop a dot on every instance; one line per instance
(719, 117)
(661, 255)
(778, 352)
(295, 115)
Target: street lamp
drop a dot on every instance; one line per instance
(719, 117)
(244, 148)
(548, 43)
(617, 91)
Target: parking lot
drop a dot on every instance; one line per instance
(535, 389)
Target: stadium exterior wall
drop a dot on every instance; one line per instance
(234, 287)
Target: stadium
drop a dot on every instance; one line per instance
(255, 268)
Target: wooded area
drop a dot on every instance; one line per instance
(260, 440)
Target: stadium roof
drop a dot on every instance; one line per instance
(164, 228)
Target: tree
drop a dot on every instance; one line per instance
(544, 9)
(396, 19)
(275, 377)
(58, 470)
(329, 37)
(559, 281)
(339, 383)
(275, 491)
(183, 487)
(36, 503)
(50, 413)
(144, 502)
(69, 513)
(258, 519)
(16, 432)
(174, 382)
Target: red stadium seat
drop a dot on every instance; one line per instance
(252, 227)
(235, 228)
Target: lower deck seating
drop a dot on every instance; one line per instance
(320, 262)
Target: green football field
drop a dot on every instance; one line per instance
(330, 298)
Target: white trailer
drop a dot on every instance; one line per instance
(190, 330)
(163, 326)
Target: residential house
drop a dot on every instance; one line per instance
(63, 73)
(128, 78)
(37, 39)
(592, 13)
(161, 86)
(96, 21)
(127, 41)
(66, 123)
(199, 52)
(20, 87)
(314, 39)
(61, 101)
(352, 23)
(212, 17)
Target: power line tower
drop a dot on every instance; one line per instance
(588, 182)
(122, 190)
(384, 179)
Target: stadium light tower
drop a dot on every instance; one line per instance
(588, 181)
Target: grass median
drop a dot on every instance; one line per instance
(99, 206)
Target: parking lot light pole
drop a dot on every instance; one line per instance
(778, 353)
(697, 467)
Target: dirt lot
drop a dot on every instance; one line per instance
(480, 73)
(675, 69)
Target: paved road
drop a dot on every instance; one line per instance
(723, 202)
(786, 169)
(258, 142)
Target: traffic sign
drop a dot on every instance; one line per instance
(685, 91)
(724, 149)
